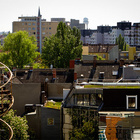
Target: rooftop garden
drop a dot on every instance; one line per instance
(53, 104)
(114, 86)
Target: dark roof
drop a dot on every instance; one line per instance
(85, 70)
(40, 75)
(100, 48)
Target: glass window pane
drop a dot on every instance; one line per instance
(93, 99)
(79, 99)
(86, 99)
(131, 102)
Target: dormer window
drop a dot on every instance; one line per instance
(131, 101)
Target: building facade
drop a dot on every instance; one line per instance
(36, 26)
(108, 34)
(75, 23)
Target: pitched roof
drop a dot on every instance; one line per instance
(100, 48)
(40, 75)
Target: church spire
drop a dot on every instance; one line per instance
(39, 15)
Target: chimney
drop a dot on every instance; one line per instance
(71, 64)
(94, 61)
(121, 63)
(54, 73)
(75, 76)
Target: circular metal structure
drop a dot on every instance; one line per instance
(6, 98)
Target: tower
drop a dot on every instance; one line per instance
(85, 20)
(39, 41)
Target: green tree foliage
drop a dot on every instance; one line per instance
(85, 124)
(99, 57)
(121, 43)
(18, 124)
(62, 47)
(19, 49)
(86, 132)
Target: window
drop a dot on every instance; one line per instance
(131, 102)
(50, 121)
(33, 23)
(93, 99)
(33, 28)
(86, 99)
(29, 28)
(80, 99)
(29, 23)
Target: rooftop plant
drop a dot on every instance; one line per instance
(52, 104)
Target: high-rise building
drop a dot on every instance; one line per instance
(75, 23)
(103, 29)
(58, 19)
(124, 25)
(108, 34)
(36, 26)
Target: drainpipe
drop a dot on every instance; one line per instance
(61, 123)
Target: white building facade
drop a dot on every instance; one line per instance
(131, 36)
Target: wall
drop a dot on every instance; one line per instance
(132, 53)
(25, 94)
(115, 99)
(111, 123)
(87, 57)
(39, 123)
(55, 90)
(114, 53)
(85, 50)
(48, 131)
(67, 126)
(34, 121)
(135, 74)
(48, 28)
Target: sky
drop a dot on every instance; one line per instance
(98, 12)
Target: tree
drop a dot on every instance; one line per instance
(85, 124)
(62, 47)
(86, 132)
(19, 49)
(121, 43)
(18, 124)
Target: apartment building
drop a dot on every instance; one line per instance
(96, 38)
(36, 26)
(132, 36)
(108, 34)
(75, 23)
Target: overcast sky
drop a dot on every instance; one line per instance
(98, 12)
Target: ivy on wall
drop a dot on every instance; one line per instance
(85, 124)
